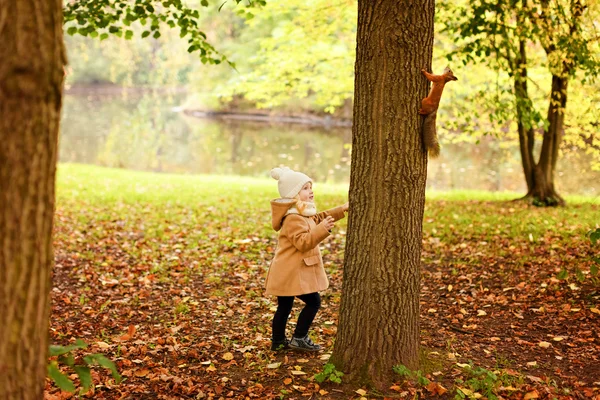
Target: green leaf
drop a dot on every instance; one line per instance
(128, 34)
(594, 267)
(56, 350)
(84, 376)
(222, 5)
(580, 276)
(563, 274)
(114, 29)
(104, 36)
(156, 35)
(72, 30)
(60, 379)
(67, 359)
(145, 34)
(204, 3)
(101, 360)
(595, 236)
(192, 48)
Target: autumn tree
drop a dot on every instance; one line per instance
(509, 35)
(32, 60)
(379, 314)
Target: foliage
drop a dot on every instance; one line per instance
(480, 382)
(308, 52)
(525, 43)
(329, 373)
(81, 367)
(100, 18)
(417, 376)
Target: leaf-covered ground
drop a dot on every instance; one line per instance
(163, 274)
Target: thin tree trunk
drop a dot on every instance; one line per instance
(526, 133)
(379, 314)
(544, 191)
(31, 75)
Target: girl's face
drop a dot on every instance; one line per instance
(306, 193)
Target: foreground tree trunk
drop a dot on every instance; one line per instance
(31, 75)
(379, 314)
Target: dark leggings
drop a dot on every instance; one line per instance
(307, 315)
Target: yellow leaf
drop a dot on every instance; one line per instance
(361, 392)
(274, 365)
(323, 392)
(558, 338)
(227, 356)
(595, 310)
(531, 395)
(211, 368)
(545, 345)
(481, 313)
(302, 360)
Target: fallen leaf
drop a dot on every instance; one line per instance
(323, 392)
(296, 372)
(299, 388)
(274, 365)
(302, 360)
(481, 313)
(595, 310)
(103, 345)
(532, 364)
(361, 392)
(531, 395)
(287, 381)
(325, 357)
(228, 356)
(545, 345)
(211, 368)
(558, 338)
(142, 372)
(436, 388)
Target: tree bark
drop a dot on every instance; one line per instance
(31, 76)
(379, 314)
(526, 133)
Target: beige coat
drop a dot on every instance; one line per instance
(298, 267)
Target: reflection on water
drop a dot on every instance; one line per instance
(143, 131)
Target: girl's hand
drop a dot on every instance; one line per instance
(345, 207)
(328, 223)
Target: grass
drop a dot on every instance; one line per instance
(201, 197)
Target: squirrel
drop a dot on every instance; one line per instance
(429, 106)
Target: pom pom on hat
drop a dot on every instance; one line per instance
(290, 181)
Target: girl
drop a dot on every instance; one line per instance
(297, 268)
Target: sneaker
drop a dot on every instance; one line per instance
(304, 344)
(277, 346)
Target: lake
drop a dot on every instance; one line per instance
(146, 130)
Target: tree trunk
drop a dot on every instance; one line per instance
(31, 75)
(526, 133)
(544, 192)
(379, 314)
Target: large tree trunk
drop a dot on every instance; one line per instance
(379, 314)
(31, 75)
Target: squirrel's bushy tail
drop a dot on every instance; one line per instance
(430, 135)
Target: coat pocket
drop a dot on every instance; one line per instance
(311, 261)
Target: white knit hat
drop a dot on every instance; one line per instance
(290, 181)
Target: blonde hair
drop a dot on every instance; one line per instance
(300, 205)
